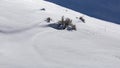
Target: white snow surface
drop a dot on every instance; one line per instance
(26, 40)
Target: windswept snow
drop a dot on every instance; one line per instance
(26, 40)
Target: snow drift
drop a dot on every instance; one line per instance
(27, 42)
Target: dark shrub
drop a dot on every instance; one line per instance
(42, 9)
(66, 23)
(48, 19)
(82, 19)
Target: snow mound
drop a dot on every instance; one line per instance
(26, 40)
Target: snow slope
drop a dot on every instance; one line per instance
(27, 41)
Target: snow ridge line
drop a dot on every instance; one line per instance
(19, 30)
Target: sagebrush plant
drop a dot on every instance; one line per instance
(82, 19)
(66, 23)
(48, 19)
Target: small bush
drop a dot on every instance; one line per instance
(82, 19)
(48, 19)
(66, 24)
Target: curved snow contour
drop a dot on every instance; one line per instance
(26, 40)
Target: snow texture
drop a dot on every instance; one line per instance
(26, 40)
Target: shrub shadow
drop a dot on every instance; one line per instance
(55, 26)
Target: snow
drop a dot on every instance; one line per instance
(26, 40)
